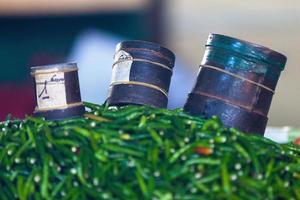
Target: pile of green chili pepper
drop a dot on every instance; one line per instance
(142, 153)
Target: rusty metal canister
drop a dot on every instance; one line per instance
(141, 74)
(236, 82)
(57, 91)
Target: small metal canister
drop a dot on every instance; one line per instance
(236, 82)
(57, 91)
(141, 74)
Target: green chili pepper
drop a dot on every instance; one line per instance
(140, 152)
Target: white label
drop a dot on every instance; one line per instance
(122, 66)
(50, 90)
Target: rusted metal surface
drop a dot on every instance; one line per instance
(240, 91)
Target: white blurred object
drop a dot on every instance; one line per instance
(284, 134)
(278, 134)
(181, 85)
(94, 50)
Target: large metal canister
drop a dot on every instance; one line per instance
(141, 74)
(236, 81)
(57, 91)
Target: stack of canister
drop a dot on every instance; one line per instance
(236, 82)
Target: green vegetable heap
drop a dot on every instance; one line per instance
(142, 153)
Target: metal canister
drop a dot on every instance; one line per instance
(141, 74)
(236, 82)
(57, 91)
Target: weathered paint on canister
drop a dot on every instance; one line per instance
(141, 74)
(57, 91)
(236, 81)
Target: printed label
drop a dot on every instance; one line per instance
(50, 90)
(122, 66)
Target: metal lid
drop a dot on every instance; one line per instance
(156, 49)
(55, 67)
(247, 49)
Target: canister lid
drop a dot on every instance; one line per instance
(54, 67)
(247, 49)
(157, 49)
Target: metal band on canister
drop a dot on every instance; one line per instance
(57, 91)
(141, 74)
(236, 82)
(239, 77)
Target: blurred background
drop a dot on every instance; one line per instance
(37, 32)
